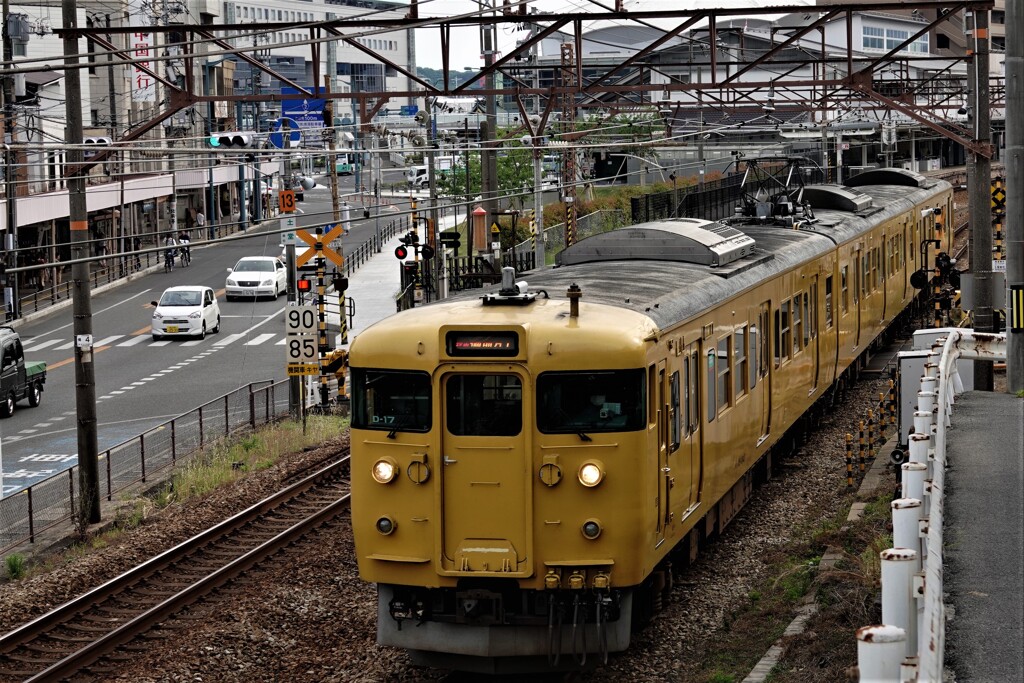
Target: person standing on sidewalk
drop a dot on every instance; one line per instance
(200, 222)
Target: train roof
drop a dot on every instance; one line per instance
(672, 270)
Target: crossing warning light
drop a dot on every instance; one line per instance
(304, 284)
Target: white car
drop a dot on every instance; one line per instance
(256, 276)
(186, 311)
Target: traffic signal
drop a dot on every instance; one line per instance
(98, 142)
(411, 270)
(303, 285)
(232, 140)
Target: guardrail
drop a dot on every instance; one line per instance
(910, 645)
(32, 510)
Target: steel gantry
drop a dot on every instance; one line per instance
(815, 76)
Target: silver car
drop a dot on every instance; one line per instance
(256, 276)
(186, 311)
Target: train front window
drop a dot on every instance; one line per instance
(598, 401)
(390, 400)
(484, 405)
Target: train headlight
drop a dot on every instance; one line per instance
(385, 525)
(384, 470)
(591, 529)
(591, 473)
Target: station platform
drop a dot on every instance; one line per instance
(984, 539)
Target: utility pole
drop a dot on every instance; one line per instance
(1015, 200)
(85, 379)
(8, 249)
(979, 184)
(488, 152)
(431, 235)
(332, 158)
(538, 203)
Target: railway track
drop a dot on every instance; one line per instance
(961, 243)
(77, 636)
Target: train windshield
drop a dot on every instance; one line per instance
(484, 405)
(596, 401)
(390, 400)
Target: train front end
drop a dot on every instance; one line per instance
(500, 478)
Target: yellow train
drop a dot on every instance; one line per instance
(524, 463)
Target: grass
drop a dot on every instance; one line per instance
(845, 596)
(217, 466)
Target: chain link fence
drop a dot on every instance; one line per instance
(35, 509)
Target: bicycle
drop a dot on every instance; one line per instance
(169, 260)
(186, 256)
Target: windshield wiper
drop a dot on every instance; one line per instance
(583, 436)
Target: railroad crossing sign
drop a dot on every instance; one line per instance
(318, 244)
(998, 197)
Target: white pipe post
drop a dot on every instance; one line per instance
(880, 651)
(914, 474)
(898, 605)
(906, 524)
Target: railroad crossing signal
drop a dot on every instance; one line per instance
(318, 244)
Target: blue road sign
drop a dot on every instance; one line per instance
(294, 133)
(307, 112)
(409, 109)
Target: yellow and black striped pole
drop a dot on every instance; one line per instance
(861, 449)
(849, 461)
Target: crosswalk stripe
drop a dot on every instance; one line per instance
(108, 340)
(228, 339)
(282, 342)
(64, 347)
(41, 346)
(256, 341)
(164, 342)
(137, 339)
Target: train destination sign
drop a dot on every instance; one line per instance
(482, 344)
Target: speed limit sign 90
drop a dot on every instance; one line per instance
(301, 320)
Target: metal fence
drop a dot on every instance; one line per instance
(32, 510)
(591, 224)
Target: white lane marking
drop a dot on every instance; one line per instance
(138, 384)
(28, 431)
(40, 347)
(192, 342)
(58, 417)
(282, 342)
(95, 313)
(116, 392)
(161, 343)
(259, 339)
(64, 347)
(8, 439)
(43, 424)
(137, 339)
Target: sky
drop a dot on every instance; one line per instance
(465, 49)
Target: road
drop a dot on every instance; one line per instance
(141, 383)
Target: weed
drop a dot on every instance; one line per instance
(15, 565)
(719, 677)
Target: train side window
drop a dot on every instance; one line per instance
(724, 385)
(712, 380)
(865, 274)
(783, 342)
(391, 400)
(676, 417)
(752, 355)
(810, 325)
(828, 302)
(844, 285)
(652, 395)
(798, 324)
(740, 360)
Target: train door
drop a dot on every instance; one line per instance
(811, 329)
(664, 472)
(483, 500)
(858, 296)
(688, 482)
(764, 362)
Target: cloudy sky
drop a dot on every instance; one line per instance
(466, 42)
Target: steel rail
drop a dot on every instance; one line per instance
(142, 623)
(118, 585)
